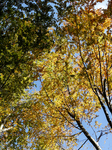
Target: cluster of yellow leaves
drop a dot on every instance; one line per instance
(97, 124)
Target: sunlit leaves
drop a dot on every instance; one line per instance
(70, 62)
(79, 61)
(24, 39)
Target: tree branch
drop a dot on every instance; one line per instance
(82, 144)
(93, 142)
(3, 130)
(100, 70)
(105, 96)
(104, 109)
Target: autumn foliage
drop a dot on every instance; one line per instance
(75, 73)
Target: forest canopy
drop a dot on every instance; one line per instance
(70, 55)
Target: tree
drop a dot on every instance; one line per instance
(18, 53)
(76, 79)
(17, 44)
(75, 76)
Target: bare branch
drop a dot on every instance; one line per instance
(99, 136)
(82, 144)
(93, 131)
(93, 142)
(105, 111)
(105, 96)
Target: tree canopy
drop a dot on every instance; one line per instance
(73, 63)
(24, 38)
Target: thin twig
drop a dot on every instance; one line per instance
(82, 144)
(93, 131)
